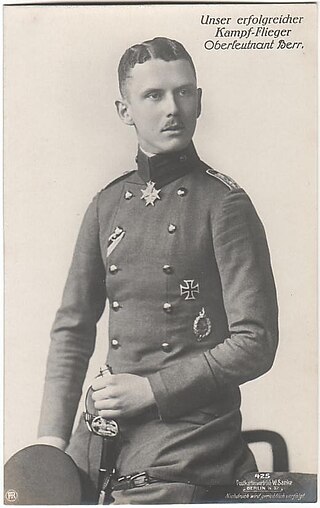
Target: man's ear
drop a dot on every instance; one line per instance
(199, 93)
(124, 113)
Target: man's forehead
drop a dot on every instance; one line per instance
(156, 73)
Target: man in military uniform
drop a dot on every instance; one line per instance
(180, 254)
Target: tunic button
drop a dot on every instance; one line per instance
(182, 158)
(115, 305)
(182, 191)
(167, 307)
(115, 344)
(128, 195)
(172, 228)
(113, 269)
(165, 346)
(167, 269)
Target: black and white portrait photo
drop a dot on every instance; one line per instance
(160, 252)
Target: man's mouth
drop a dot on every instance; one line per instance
(175, 127)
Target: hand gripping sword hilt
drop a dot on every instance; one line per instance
(109, 431)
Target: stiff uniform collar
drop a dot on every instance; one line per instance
(166, 167)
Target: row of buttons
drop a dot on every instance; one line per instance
(182, 191)
(167, 307)
(165, 346)
(119, 233)
(113, 269)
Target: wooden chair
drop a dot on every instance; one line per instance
(277, 443)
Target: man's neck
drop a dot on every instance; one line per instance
(148, 154)
(166, 167)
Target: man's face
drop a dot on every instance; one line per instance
(163, 103)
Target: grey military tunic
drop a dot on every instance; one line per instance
(184, 264)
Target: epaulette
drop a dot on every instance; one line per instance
(119, 178)
(229, 182)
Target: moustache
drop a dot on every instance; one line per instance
(173, 125)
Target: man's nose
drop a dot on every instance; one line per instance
(171, 104)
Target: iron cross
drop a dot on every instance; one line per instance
(189, 289)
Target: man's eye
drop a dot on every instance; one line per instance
(154, 96)
(185, 92)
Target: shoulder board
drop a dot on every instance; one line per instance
(119, 178)
(229, 182)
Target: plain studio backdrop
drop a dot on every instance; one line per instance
(64, 142)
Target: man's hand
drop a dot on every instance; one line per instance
(121, 395)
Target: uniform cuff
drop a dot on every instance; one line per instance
(57, 416)
(183, 387)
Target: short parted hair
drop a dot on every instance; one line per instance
(159, 47)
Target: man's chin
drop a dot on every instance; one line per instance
(173, 145)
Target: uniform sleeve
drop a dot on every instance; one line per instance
(74, 331)
(249, 297)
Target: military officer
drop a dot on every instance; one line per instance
(179, 253)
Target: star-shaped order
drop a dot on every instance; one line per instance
(150, 193)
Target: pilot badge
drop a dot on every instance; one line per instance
(150, 194)
(201, 325)
(114, 239)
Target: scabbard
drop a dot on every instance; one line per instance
(107, 469)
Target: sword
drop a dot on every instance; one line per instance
(109, 431)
